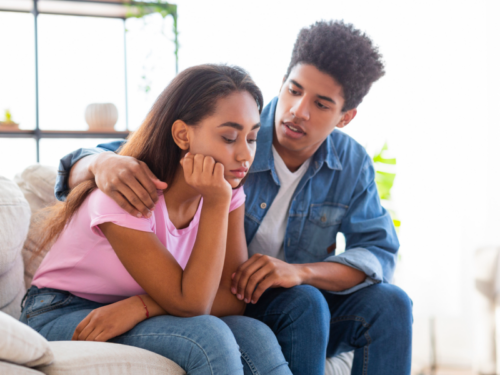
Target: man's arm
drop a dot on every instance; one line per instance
(126, 180)
(370, 256)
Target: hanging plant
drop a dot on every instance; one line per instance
(137, 9)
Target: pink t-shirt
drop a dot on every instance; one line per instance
(83, 262)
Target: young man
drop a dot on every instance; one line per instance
(308, 182)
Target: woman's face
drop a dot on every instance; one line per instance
(229, 135)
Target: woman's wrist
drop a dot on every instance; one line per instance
(136, 309)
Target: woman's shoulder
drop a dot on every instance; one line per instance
(237, 199)
(102, 208)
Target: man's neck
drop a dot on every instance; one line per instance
(293, 159)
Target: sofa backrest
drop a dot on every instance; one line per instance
(14, 223)
(37, 184)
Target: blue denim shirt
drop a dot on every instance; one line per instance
(336, 194)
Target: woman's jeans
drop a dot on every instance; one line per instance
(200, 345)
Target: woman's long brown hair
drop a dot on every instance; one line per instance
(191, 96)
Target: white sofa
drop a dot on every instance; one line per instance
(23, 350)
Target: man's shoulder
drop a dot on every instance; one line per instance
(343, 142)
(348, 150)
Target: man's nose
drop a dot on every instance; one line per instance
(301, 109)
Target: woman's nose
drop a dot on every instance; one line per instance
(245, 152)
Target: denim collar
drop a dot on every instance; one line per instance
(264, 160)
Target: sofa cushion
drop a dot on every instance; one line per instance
(21, 344)
(89, 358)
(37, 184)
(12, 289)
(14, 221)
(12, 369)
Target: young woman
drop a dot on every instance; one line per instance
(162, 282)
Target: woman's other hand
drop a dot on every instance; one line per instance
(207, 177)
(112, 320)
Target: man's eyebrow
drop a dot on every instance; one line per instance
(297, 84)
(237, 126)
(327, 98)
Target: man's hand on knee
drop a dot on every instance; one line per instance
(261, 272)
(128, 181)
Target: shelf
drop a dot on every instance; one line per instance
(88, 8)
(62, 134)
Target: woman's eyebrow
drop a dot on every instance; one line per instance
(237, 126)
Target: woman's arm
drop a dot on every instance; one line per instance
(191, 291)
(225, 302)
(109, 321)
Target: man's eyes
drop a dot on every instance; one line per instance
(322, 106)
(292, 91)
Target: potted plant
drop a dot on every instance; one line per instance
(8, 124)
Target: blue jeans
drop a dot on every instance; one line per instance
(200, 345)
(375, 322)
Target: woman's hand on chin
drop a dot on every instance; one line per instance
(207, 176)
(110, 321)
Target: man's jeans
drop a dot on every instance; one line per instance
(200, 345)
(375, 322)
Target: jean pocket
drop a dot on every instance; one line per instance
(46, 301)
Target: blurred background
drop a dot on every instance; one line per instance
(437, 110)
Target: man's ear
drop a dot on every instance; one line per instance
(180, 134)
(347, 117)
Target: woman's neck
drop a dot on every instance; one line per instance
(182, 200)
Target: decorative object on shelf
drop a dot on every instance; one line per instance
(101, 116)
(8, 124)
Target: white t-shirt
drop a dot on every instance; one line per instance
(269, 237)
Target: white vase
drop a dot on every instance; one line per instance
(101, 116)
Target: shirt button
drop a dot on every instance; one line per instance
(263, 205)
(323, 218)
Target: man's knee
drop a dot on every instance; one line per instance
(392, 302)
(308, 302)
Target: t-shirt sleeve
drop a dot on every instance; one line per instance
(237, 199)
(103, 209)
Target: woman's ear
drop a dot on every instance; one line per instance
(180, 134)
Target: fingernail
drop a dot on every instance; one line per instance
(246, 300)
(239, 296)
(139, 215)
(232, 276)
(148, 215)
(233, 290)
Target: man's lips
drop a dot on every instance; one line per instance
(292, 130)
(294, 127)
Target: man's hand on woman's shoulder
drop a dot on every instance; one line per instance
(128, 181)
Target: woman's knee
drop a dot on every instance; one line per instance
(259, 347)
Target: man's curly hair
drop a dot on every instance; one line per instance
(344, 53)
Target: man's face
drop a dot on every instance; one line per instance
(309, 108)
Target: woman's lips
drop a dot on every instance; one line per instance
(240, 172)
(293, 131)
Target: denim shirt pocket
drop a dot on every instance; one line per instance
(320, 230)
